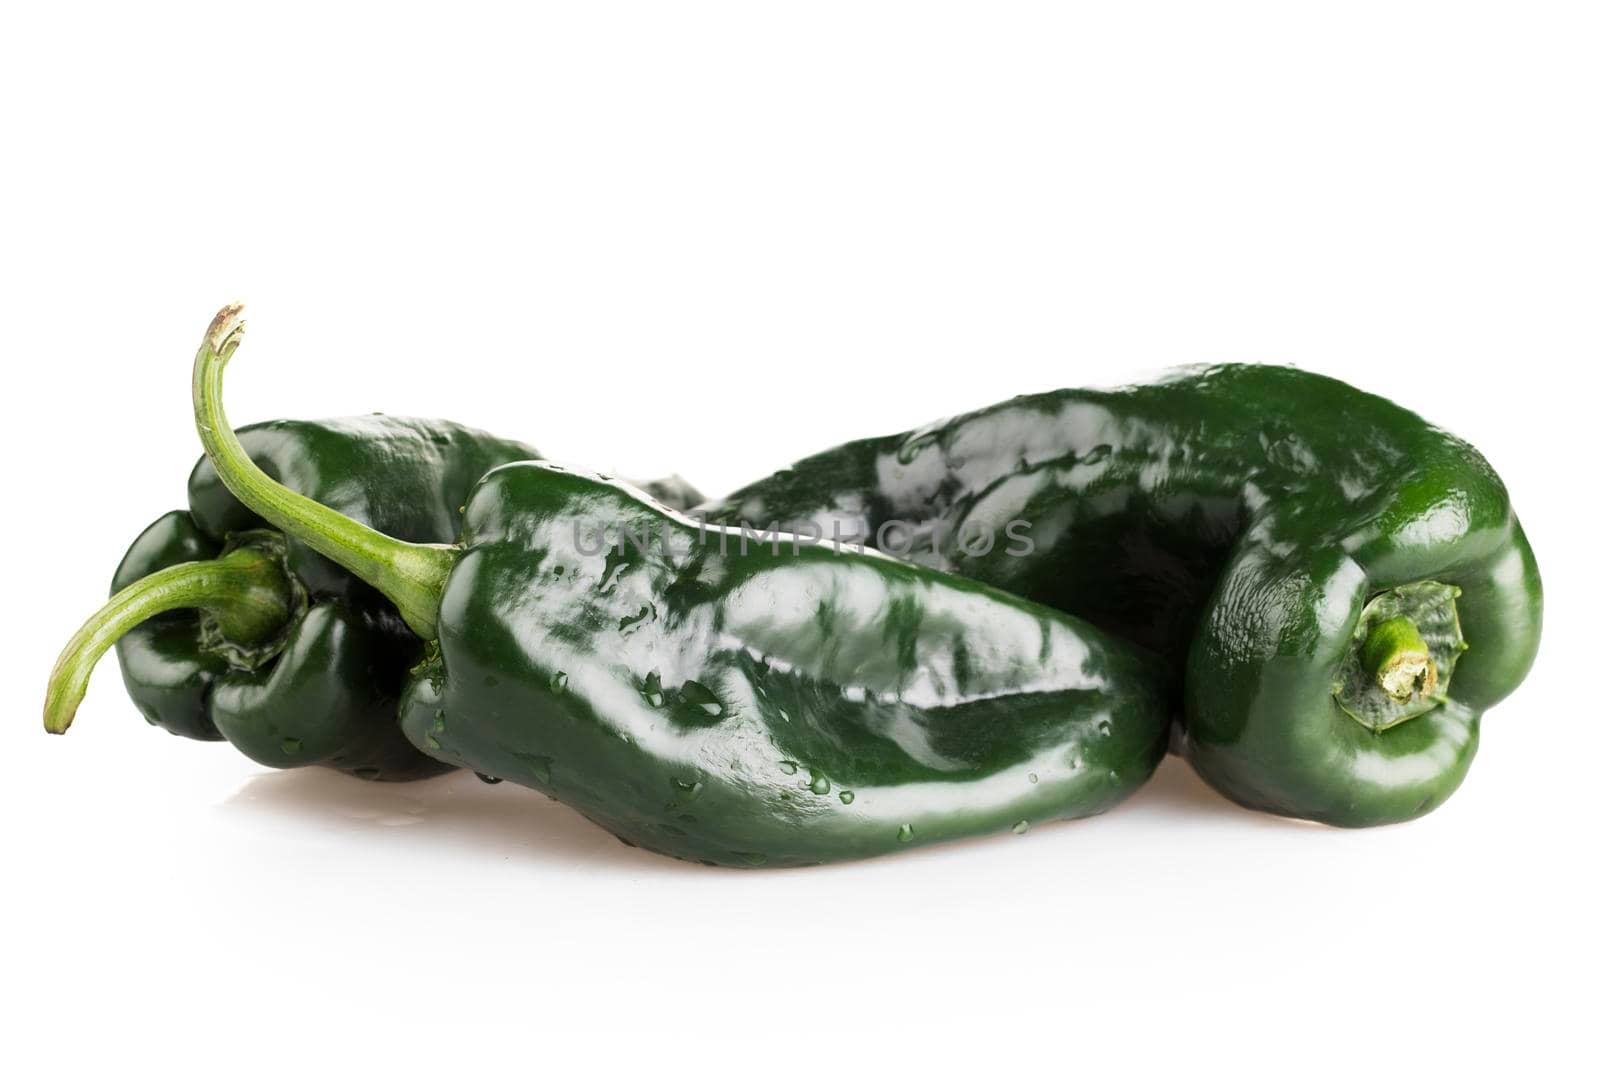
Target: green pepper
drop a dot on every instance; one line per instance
(1340, 588)
(225, 628)
(776, 704)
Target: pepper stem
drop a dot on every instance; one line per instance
(1399, 660)
(246, 593)
(411, 576)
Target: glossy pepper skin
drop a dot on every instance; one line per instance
(779, 707)
(1256, 526)
(743, 705)
(321, 683)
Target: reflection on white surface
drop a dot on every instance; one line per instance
(457, 811)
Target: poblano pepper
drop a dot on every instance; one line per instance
(747, 705)
(225, 628)
(1340, 588)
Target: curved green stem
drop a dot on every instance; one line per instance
(246, 593)
(412, 576)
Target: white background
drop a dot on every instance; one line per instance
(712, 238)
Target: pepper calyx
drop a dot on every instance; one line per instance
(1402, 654)
(251, 629)
(246, 597)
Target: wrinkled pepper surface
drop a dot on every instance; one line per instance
(1339, 588)
(780, 705)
